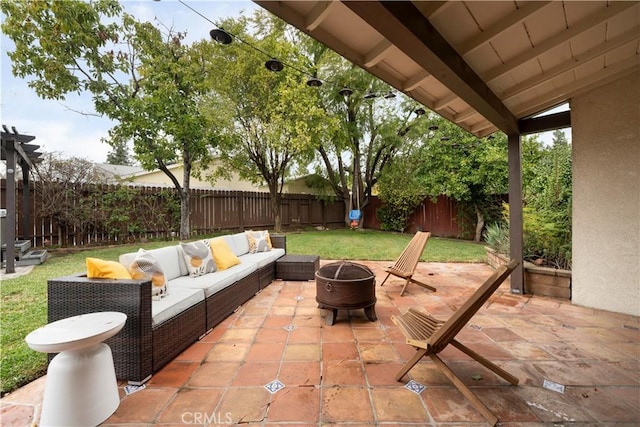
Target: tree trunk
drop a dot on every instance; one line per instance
(479, 224)
(184, 214)
(277, 212)
(61, 239)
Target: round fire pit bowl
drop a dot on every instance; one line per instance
(346, 285)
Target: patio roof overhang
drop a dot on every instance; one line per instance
(483, 65)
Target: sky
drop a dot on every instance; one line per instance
(58, 126)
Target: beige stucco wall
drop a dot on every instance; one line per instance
(606, 197)
(158, 177)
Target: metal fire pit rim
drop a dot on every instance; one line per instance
(360, 267)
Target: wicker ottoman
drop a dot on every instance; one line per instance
(297, 267)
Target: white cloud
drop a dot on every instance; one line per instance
(57, 125)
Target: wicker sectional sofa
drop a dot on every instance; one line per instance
(157, 331)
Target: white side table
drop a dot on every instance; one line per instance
(81, 388)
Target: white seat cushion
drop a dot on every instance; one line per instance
(263, 258)
(177, 301)
(210, 283)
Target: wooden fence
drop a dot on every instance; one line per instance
(440, 218)
(153, 212)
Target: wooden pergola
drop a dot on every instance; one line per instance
(16, 151)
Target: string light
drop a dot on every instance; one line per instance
(274, 64)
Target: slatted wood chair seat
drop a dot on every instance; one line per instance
(430, 336)
(405, 265)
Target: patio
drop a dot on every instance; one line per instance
(344, 374)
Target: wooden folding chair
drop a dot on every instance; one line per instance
(430, 336)
(405, 265)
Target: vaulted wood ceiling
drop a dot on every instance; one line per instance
(484, 65)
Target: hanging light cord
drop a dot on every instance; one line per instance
(256, 48)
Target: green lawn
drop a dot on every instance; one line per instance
(24, 299)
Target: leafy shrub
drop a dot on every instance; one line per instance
(546, 240)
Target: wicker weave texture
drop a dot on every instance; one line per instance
(140, 349)
(170, 338)
(297, 267)
(132, 346)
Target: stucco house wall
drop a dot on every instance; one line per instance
(606, 197)
(157, 177)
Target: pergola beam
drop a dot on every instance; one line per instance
(16, 150)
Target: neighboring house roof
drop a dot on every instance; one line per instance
(115, 172)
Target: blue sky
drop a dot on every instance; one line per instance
(56, 124)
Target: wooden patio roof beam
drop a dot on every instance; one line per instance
(403, 25)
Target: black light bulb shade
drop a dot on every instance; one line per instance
(370, 95)
(314, 82)
(433, 127)
(346, 91)
(390, 95)
(221, 36)
(419, 111)
(274, 65)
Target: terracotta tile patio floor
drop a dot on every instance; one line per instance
(344, 374)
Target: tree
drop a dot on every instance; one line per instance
(274, 114)
(472, 171)
(149, 83)
(375, 126)
(168, 121)
(119, 155)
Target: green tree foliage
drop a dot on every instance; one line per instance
(367, 131)
(275, 118)
(150, 83)
(401, 193)
(547, 184)
(549, 195)
(469, 170)
(119, 155)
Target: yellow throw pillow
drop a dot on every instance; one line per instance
(101, 269)
(222, 254)
(145, 267)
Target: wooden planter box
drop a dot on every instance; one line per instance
(551, 282)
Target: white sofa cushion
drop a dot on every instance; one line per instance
(240, 244)
(177, 301)
(209, 283)
(263, 258)
(170, 259)
(218, 280)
